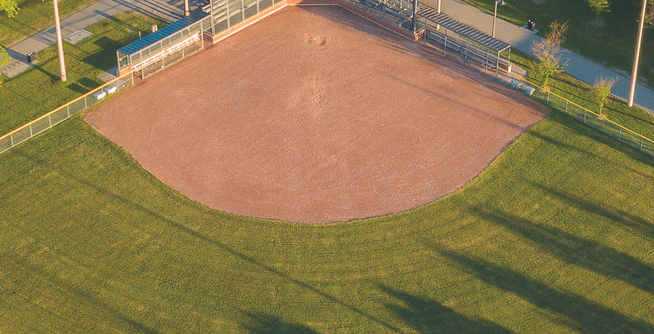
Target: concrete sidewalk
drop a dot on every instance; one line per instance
(522, 39)
(169, 11)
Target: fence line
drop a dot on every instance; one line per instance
(64, 112)
(586, 116)
(558, 102)
(96, 95)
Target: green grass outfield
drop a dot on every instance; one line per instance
(555, 236)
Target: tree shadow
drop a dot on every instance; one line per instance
(631, 222)
(264, 324)
(571, 249)
(429, 316)
(581, 314)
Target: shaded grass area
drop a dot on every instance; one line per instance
(34, 16)
(556, 235)
(581, 93)
(612, 44)
(39, 89)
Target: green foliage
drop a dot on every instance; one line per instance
(602, 90)
(4, 57)
(599, 6)
(549, 53)
(9, 6)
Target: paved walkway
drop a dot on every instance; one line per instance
(522, 39)
(168, 10)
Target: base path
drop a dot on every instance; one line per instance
(316, 115)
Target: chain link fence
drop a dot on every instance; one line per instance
(64, 112)
(593, 120)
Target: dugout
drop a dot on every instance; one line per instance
(159, 49)
(473, 44)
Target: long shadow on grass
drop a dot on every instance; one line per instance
(88, 300)
(138, 207)
(588, 254)
(633, 223)
(581, 314)
(580, 128)
(263, 323)
(429, 316)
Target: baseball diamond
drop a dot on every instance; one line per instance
(316, 115)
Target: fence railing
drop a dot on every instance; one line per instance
(558, 102)
(555, 101)
(64, 112)
(581, 114)
(593, 119)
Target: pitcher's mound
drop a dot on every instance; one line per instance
(315, 115)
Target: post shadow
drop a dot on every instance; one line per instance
(425, 315)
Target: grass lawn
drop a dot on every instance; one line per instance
(555, 236)
(612, 44)
(34, 16)
(39, 89)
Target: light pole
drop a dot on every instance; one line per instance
(187, 11)
(634, 73)
(501, 2)
(60, 44)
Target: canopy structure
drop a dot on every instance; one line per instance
(462, 30)
(160, 44)
(454, 35)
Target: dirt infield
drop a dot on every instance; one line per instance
(316, 115)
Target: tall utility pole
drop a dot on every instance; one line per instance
(501, 2)
(60, 44)
(634, 73)
(187, 11)
(415, 16)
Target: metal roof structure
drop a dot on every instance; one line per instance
(461, 29)
(162, 33)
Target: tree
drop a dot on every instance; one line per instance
(549, 53)
(649, 15)
(4, 57)
(9, 6)
(599, 6)
(602, 90)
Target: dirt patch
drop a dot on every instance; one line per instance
(315, 115)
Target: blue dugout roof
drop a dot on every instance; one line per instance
(162, 33)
